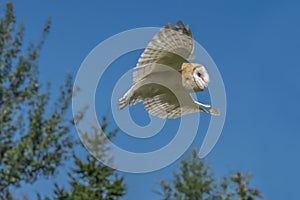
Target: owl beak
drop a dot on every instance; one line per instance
(203, 84)
(204, 81)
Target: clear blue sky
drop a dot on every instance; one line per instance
(256, 46)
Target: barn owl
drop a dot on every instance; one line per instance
(164, 77)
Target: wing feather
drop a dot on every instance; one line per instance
(171, 46)
(166, 105)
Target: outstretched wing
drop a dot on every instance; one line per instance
(167, 105)
(171, 46)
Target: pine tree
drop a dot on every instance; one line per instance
(34, 135)
(91, 179)
(195, 181)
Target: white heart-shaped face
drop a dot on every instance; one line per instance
(201, 77)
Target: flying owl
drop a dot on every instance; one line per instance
(164, 77)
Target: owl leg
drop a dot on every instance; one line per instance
(204, 105)
(211, 111)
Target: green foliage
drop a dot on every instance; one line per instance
(35, 140)
(33, 137)
(236, 186)
(195, 181)
(92, 179)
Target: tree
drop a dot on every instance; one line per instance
(33, 137)
(35, 132)
(195, 181)
(92, 179)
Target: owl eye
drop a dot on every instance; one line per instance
(198, 74)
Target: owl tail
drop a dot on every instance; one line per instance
(123, 102)
(129, 98)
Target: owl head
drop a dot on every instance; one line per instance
(194, 76)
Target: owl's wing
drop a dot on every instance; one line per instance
(171, 46)
(166, 105)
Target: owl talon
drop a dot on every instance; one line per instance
(211, 111)
(214, 112)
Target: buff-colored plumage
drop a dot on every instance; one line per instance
(164, 77)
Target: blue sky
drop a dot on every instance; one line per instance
(255, 45)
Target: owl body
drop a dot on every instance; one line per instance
(164, 78)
